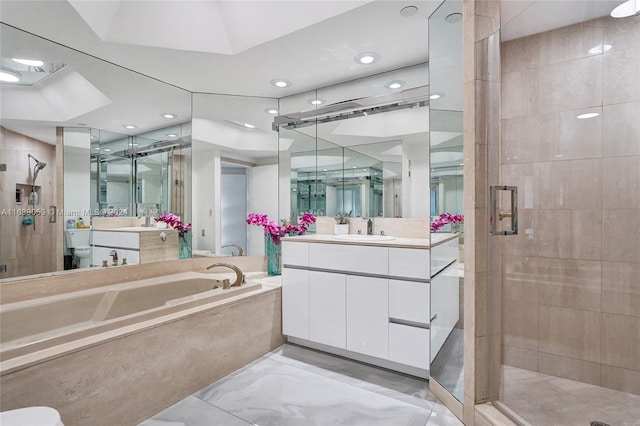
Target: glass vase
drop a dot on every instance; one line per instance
(184, 243)
(273, 252)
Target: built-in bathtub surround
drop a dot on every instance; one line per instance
(45, 285)
(571, 279)
(154, 355)
(25, 249)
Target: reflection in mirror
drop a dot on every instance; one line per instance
(445, 118)
(235, 172)
(82, 105)
(365, 148)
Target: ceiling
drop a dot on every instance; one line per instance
(223, 47)
(310, 43)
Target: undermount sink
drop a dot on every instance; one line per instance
(358, 237)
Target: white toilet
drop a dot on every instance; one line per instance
(31, 416)
(78, 240)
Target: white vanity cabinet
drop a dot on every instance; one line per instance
(367, 302)
(125, 244)
(445, 314)
(327, 302)
(368, 315)
(295, 296)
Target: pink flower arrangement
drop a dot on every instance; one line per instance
(444, 219)
(277, 231)
(174, 221)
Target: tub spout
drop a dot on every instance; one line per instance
(240, 251)
(239, 275)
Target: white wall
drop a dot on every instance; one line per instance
(415, 188)
(262, 191)
(77, 174)
(205, 168)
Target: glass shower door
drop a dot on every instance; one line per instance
(567, 283)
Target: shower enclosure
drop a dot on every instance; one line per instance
(565, 289)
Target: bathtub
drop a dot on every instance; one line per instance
(95, 354)
(30, 326)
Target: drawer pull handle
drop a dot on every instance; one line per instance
(408, 323)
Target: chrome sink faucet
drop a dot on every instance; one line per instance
(369, 227)
(114, 257)
(239, 275)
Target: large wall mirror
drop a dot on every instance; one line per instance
(360, 147)
(235, 172)
(123, 148)
(447, 165)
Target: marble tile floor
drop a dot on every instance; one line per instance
(297, 386)
(541, 399)
(448, 366)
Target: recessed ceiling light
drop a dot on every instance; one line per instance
(364, 170)
(272, 111)
(453, 18)
(436, 95)
(129, 126)
(29, 62)
(169, 115)
(9, 75)
(408, 11)
(324, 170)
(628, 8)
(599, 49)
(366, 58)
(354, 167)
(316, 101)
(249, 126)
(107, 150)
(395, 84)
(278, 82)
(172, 135)
(588, 115)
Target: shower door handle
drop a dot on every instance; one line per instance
(497, 214)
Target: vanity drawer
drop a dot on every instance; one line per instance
(409, 263)
(409, 345)
(116, 239)
(295, 253)
(442, 255)
(409, 301)
(351, 258)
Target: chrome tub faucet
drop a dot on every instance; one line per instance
(239, 275)
(240, 251)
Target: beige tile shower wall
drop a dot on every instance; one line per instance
(571, 279)
(23, 249)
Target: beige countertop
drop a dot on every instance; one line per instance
(417, 243)
(136, 229)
